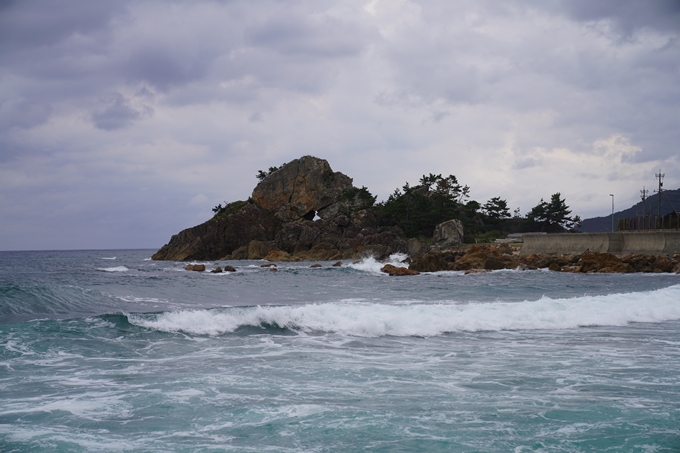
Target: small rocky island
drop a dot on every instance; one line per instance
(304, 211)
(277, 221)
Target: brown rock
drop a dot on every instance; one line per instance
(229, 269)
(488, 257)
(280, 255)
(315, 265)
(555, 267)
(217, 270)
(603, 263)
(267, 265)
(395, 271)
(240, 253)
(337, 264)
(195, 267)
(273, 269)
(320, 252)
(258, 249)
(434, 262)
(189, 267)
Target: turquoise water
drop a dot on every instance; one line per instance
(109, 351)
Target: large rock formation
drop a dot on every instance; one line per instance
(277, 221)
(301, 188)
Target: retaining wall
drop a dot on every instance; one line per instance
(643, 242)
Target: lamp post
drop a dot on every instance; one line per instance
(612, 195)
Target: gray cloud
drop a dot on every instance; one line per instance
(150, 104)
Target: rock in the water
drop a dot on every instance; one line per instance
(300, 188)
(448, 234)
(396, 271)
(217, 270)
(603, 262)
(268, 265)
(337, 264)
(434, 261)
(316, 265)
(229, 269)
(195, 267)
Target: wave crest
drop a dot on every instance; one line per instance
(421, 319)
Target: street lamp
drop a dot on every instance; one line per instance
(612, 195)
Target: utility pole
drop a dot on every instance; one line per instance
(612, 195)
(643, 194)
(660, 176)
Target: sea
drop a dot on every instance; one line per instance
(109, 351)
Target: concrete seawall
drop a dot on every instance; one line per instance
(644, 242)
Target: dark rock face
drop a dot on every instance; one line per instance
(300, 188)
(219, 237)
(277, 223)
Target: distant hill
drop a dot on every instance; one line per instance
(603, 224)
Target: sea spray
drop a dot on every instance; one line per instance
(427, 319)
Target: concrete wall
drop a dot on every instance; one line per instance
(643, 242)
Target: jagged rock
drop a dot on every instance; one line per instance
(240, 253)
(397, 271)
(241, 223)
(488, 257)
(448, 234)
(300, 188)
(258, 249)
(603, 262)
(320, 252)
(434, 261)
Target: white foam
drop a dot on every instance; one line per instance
(374, 320)
(108, 257)
(114, 269)
(373, 266)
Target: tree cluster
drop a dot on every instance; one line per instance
(418, 209)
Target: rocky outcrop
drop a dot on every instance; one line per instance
(448, 234)
(398, 271)
(242, 223)
(301, 188)
(277, 222)
(492, 257)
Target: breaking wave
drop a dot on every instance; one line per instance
(423, 319)
(114, 269)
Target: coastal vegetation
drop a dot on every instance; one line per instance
(418, 209)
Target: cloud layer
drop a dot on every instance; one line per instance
(123, 122)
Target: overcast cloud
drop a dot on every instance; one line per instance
(122, 123)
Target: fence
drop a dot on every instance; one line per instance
(669, 221)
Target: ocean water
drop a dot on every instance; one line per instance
(108, 351)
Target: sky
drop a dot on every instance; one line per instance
(122, 123)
